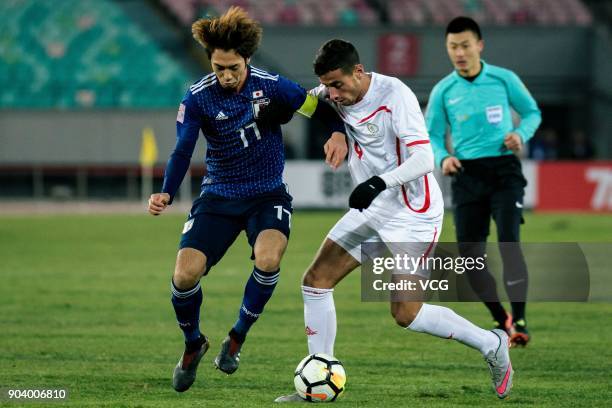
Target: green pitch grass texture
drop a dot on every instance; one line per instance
(85, 306)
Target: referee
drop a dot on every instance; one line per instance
(475, 100)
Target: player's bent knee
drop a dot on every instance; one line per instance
(403, 320)
(268, 250)
(316, 278)
(309, 279)
(268, 262)
(190, 266)
(185, 278)
(331, 264)
(404, 316)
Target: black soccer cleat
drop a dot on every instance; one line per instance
(228, 358)
(185, 371)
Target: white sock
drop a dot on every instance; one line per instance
(443, 322)
(320, 319)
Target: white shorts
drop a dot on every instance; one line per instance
(401, 234)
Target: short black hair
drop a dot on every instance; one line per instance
(461, 24)
(336, 54)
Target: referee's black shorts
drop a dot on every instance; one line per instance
(489, 187)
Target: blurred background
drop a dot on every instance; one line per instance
(89, 90)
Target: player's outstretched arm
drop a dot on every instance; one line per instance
(312, 106)
(158, 203)
(336, 147)
(293, 98)
(187, 132)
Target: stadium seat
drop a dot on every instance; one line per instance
(415, 12)
(81, 54)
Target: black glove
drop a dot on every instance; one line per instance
(274, 113)
(363, 195)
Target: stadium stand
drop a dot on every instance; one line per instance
(494, 12)
(282, 12)
(81, 54)
(90, 54)
(415, 12)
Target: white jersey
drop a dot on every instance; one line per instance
(382, 128)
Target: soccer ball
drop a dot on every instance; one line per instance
(319, 378)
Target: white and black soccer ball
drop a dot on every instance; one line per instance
(319, 378)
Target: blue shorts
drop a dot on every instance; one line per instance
(215, 222)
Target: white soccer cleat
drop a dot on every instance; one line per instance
(295, 397)
(500, 365)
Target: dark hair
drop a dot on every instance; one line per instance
(461, 24)
(336, 54)
(234, 30)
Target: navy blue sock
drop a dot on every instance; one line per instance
(187, 308)
(257, 292)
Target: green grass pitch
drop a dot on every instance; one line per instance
(85, 305)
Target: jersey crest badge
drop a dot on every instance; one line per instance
(258, 104)
(372, 128)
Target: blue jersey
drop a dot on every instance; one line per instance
(243, 158)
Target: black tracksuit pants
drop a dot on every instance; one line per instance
(492, 187)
